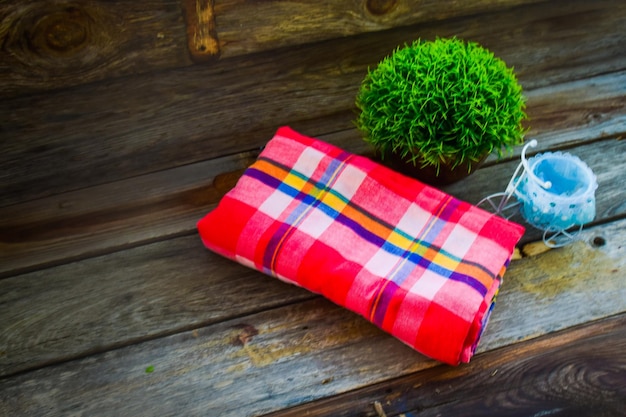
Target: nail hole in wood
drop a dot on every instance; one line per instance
(598, 241)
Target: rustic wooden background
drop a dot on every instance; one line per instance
(124, 121)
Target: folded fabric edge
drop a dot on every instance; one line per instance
(511, 233)
(480, 323)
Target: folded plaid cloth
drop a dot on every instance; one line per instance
(413, 260)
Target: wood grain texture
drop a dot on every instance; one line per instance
(106, 302)
(260, 362)
(56, 44)
(298, 22)
(111, 217)
(549, 290)
(52, 44)
(566, 114)
(586, 380)
(109, 131)
(576, 372)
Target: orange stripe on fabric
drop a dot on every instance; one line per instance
(367, 222)
(271, 169)
(476, 272)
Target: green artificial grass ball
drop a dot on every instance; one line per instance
(441, 102)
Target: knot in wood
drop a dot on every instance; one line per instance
(62, 32)
(380, 7)
(46, 40)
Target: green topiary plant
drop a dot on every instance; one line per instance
(441, 102)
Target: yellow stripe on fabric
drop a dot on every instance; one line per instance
(334, 202)
(299, 183)
(445, 261)
(399, 240)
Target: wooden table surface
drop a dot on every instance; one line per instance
(109, 303)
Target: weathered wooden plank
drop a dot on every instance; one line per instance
(111, 301)
(581, 372)
(113, 216)
(551, 288)
(110, 217)
(566, 114)
(587, 381)
(277, 358)
(109, 131)
(241, 31)
(49, 45)
(52, 44)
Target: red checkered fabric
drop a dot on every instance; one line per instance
(419, 263)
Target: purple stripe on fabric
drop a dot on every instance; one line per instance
(384, 300)
(450, 274)
(272, 246)
(469, 281)
(444, 216)
(263, 177)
